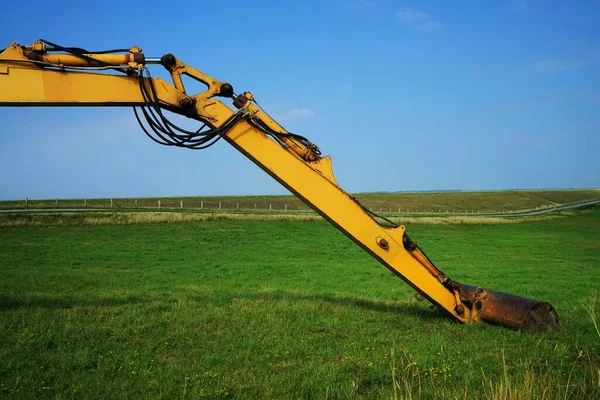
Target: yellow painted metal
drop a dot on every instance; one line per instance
(38, 51)
(37, 87)
(24, 83)
(179, 69)
(307, 154)
(291, 164)
(339, 208)
(71, 60)
(27, 83)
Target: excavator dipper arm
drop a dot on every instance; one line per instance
(45, 74)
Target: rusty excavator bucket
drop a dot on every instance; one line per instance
(474, 304)
(508, 310)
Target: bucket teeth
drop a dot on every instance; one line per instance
(508, 310)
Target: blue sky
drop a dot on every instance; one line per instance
(438, 95)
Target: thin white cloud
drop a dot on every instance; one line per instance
(419, 20)
(295, 113)
(550, 65)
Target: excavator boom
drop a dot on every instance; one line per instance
(46, 74)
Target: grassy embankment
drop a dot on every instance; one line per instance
(58, 218)
(288, 309)
(418, 202)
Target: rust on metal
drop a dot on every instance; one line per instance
(139, 58)
(240, 101)
(186, 102)
(383, 243)
(509, 310)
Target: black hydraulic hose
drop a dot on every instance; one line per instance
(198, 140)
(80, 53)
(146, 132)
(156, 106)
(373, 215)
(165, 131)
(269, 131)
(84, 51)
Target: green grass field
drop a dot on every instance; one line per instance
(413, 202)
(288, 309)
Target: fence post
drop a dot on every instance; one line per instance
(254, 206)
(136, 202)
(270, 207)
(219, 205)
(111, 203)
(159, 204)
(85, 202)
(57, 201)
(26, 201)
(201, 205)
(181, 204)
(286, 207)
(237, 206)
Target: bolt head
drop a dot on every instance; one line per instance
(185, 102)
(383, 244)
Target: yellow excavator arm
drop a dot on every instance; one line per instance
(46, 74)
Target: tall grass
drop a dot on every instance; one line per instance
(410, 380)
(547, 385)
(393, 203)
(591, 310)
(134, 218)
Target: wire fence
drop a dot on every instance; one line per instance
(277, 205)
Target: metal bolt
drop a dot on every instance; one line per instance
(383, 243)
(185, 102)
(168, 60)
(226, 90)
